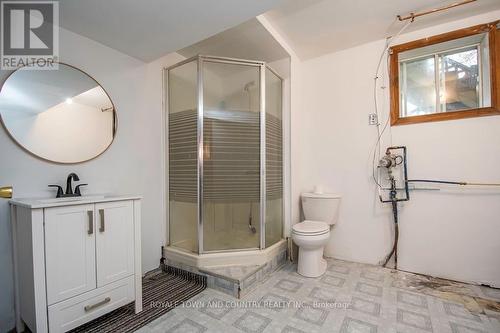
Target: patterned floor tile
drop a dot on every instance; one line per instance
(351, 325)
(291, 329)
(458, 328)
(412, 299)
(332, 280)
(289, 302)
(365, 306)
(187, 326)
(372, 276)
(274, 302)
(252, 322)
(215, 308)
(288, 285)
(339, 269)
(414, 319)
(322, 294)
(369, 289)
(316, 316)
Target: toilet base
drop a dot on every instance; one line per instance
(311, 262)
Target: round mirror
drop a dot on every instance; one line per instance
(60, 115)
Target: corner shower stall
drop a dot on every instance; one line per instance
(225, 160)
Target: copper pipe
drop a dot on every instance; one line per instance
(482, 184)
(412, 16)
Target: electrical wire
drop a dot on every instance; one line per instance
(380, 133)
(376, 148)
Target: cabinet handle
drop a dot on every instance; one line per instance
(90, 230)
(88, 308)
(101, 215)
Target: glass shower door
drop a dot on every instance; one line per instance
(231, 156)
(183, 174)
(274, 159)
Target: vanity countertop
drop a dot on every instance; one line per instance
(35, 203)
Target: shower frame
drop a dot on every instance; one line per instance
(201, 59)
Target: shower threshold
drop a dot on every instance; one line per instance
(224, 270)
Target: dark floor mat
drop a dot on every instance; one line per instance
(162, 291)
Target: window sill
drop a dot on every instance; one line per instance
(453, 115)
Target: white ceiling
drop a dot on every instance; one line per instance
(316, 27)
(249, 40)
(32, 92)
(95, 98)
(149, 29)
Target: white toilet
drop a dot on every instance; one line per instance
(311, 235)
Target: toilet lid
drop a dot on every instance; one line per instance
(311, 228)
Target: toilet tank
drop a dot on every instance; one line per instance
(322, 207)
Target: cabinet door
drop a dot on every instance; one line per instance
(69, 251)
(114, 241)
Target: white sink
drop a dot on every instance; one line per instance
(56, 200)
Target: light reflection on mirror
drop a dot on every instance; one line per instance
(61, 115)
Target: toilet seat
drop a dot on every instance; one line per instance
(310, 228)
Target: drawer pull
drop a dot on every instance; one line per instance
(88, 308)
(90, 230)
(101, 215)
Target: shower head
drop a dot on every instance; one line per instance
(248, 86)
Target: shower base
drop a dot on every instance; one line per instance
(225, 272)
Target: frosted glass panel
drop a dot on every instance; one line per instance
(231, 157)
(183, 174)
(274, 159)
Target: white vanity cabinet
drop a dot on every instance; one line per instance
(75, 260)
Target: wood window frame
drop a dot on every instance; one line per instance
(494, 53)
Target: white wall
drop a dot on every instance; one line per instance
(292, 111)
(154, 97)
(452, 233)
(133, 163)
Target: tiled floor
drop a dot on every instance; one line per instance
(350, 297)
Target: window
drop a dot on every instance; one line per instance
(449, 76)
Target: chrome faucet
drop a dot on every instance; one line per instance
(69, 187)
